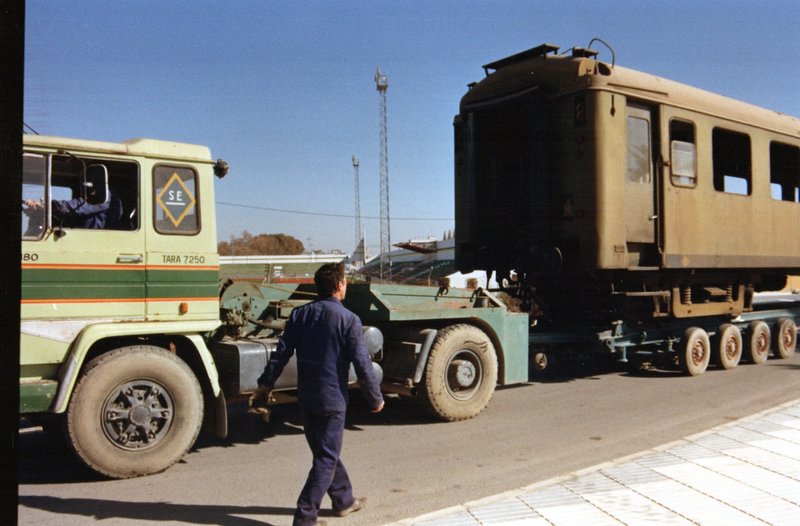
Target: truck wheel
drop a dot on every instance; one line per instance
(461, 373)
(757, 342)
(134, 411)
(785, 338)
(695, 351)
(728, 346)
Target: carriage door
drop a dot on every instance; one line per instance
(640, 217)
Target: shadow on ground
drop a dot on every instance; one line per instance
(45, 458)
(155, 512)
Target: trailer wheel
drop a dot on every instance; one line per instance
(758, 342)
(461, 373)
(135, 411)
(785, 338)
(728, 346)
(695, 351)
(540, 361)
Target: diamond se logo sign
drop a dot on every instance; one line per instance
(176, 200)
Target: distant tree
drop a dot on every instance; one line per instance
(261, 245)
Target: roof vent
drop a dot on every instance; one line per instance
(538, 51)
(583, 52)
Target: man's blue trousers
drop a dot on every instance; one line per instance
(324, 433)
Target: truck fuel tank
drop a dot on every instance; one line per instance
(241, 361)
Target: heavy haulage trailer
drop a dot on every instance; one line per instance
(692, 344)
(623, 213)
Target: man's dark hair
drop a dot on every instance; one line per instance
(327, 278)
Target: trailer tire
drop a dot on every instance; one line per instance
(758, 341)
(134, 411)
(695, 351)
(784, 340)
(728, 346)
(461, 373)
(540, 360)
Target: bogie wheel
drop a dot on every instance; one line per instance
(695, 351)
(728, 346)
(758, 340)
(134, 411)
(784, 340)
(461, 373)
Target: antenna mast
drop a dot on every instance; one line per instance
(382, 84)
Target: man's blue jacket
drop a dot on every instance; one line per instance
(78, 213)
(327, 338)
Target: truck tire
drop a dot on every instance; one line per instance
(728, 346)
(784, 340)
(461, 373)
(757, 343)
(134, 411)
(695, 351)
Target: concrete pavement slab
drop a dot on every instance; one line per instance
(742, 473)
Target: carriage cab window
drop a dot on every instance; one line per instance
(683, 154)
(784, 172)
(638, 146)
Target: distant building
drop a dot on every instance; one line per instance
(425, 262)
(359, 256)
(414, 262)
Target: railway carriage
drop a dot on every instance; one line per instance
(618, 194)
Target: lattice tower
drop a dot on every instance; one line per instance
(382, 84)
(359, 229)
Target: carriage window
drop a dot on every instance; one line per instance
(731, 157)
(638, 149)
(683, 154)
(784, 172)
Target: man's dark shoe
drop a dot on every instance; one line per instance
(355, 506)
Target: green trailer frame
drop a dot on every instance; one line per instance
(397, 308)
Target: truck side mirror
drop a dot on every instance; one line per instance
(220, 168)
(95, 184)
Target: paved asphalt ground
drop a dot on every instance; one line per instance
(745, 472)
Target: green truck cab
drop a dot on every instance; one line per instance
(119, 272)
(130, 343)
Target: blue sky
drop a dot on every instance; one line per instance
(284, 90)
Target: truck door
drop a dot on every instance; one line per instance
(182, 262)
(640, 216)
(82, 248)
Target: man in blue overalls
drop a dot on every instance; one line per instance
(327, 338)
